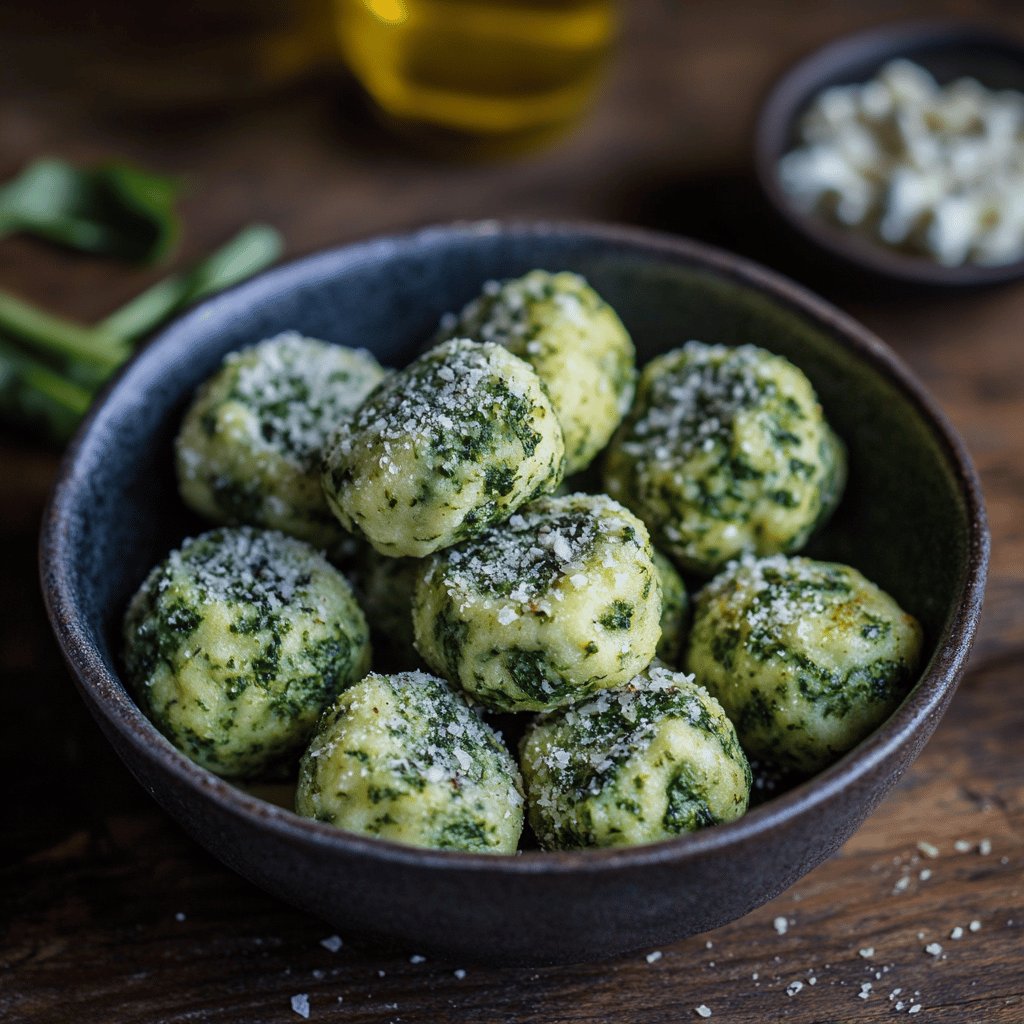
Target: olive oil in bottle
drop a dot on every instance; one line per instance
(482, 72)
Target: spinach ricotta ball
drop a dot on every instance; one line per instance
(235, 644)
(575, 342)
(675, 611)
(251, 444)
(806, 657)
(636, 764)
(405, 758)
(726, 451)
(561, 600)
(457, 440)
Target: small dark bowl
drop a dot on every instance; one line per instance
(913, 520)
(949, 50)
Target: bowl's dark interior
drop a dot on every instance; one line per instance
(949, 51)
(901, 522)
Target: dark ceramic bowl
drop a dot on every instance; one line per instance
(949, 50)
(913, 520)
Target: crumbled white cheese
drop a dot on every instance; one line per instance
(934, 170)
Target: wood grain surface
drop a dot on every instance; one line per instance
(108, 913)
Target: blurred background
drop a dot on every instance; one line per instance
(637, 110)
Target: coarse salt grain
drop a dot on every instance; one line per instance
(702, 1011)
(781, 925)
(460, 974)
(332, 943)
(933, 949)
(928, 849)
(867, 951)
(653, 958)
(985, 847)
(962, 846)
(300, 1004)
(975, 926)
(793, 987)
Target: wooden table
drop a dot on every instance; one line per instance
(109, 913)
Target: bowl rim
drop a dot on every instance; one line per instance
(814, 72)
(110, 698)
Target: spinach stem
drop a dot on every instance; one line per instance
(253, 249)
(52, 334)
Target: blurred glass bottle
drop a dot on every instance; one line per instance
(481, 75)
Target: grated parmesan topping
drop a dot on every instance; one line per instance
(299, 390)
(780, 590)
(585, 743)
(503, 313)
(244, 564)
(549, 540)
(447, 399)
(690, 406)
(436, 734)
